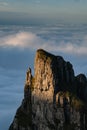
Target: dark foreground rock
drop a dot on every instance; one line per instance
(54, 99)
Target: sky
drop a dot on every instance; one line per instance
(42, 11)
(58, 26)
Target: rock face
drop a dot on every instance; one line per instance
(52, 97)
(52, 71)
(81, 81)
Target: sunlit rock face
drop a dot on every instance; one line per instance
(52, 72)
(50, 97)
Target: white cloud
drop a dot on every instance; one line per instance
(21, 39)
(30, 40)
(3, 3)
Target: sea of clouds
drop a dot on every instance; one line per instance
(67, 39)
(18, 45)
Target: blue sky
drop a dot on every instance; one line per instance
(23, 11)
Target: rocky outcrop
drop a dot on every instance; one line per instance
(52, 71)
(81, 82)
(53, 97)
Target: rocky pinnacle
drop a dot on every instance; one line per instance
(54, 98)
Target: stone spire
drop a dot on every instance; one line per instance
(27, 88)
(28, 76)
(52, 97)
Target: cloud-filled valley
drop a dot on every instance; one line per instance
(17, 51)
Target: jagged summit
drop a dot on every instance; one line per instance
(53, 97)
(48, 66)
(40, 53)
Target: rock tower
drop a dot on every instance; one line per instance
(52, 97)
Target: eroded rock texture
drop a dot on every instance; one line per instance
(52, 97)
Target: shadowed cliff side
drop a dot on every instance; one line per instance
(54, 98)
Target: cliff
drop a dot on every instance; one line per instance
(54, 98)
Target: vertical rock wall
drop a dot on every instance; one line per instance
(50, 97)
(50, 108)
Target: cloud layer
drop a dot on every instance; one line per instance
(30, 40)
